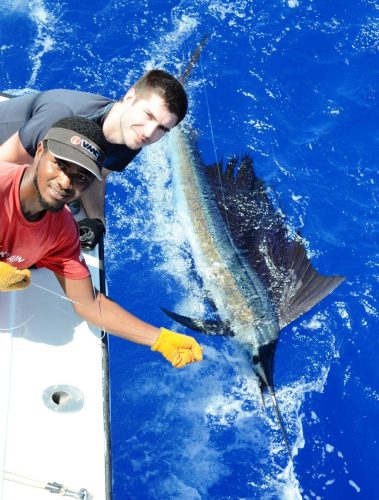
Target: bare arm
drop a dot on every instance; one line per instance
(106, 314)
(93, 198)
(13, 151)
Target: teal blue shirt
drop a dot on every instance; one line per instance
(33, 115)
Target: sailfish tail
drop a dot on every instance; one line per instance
(263, 366)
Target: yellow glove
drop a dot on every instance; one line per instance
(13, 279)
(178, 349)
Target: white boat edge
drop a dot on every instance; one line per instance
(54, 418)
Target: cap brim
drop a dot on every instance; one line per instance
(68, 153)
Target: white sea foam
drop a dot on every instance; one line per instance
(45, 21)
(13, 6)
(315, 323)
(165, 48)
(296, 198)
(314, 417)
(293, 3)
(223, 10)
(354, 485)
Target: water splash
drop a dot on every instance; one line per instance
(12, 6)
(46, 24)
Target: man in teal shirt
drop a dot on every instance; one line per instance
(154, 105)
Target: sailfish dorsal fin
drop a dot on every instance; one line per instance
(260, 234)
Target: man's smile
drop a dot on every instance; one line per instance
(59, 195)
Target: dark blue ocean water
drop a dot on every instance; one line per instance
(293, 83)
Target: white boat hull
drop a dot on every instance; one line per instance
(47, 353)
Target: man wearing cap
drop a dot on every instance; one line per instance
(36, 228)
(154, 104)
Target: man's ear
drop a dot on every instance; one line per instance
(39, 150)
(130, 96)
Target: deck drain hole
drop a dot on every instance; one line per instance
(63, 398)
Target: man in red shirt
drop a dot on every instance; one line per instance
(38, 229)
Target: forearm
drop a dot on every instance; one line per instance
(97, 309)
(113, 319)
(13, 151)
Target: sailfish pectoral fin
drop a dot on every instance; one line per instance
(209, 327)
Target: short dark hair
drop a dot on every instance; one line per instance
(84, 126)
(166, 86)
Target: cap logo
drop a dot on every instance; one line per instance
(90, 149)
(75, 140)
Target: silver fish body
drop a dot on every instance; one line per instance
(240, 297)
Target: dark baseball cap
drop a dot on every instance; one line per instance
(76, 148)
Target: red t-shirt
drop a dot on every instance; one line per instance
(51, 242)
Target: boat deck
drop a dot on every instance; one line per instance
(51, 387)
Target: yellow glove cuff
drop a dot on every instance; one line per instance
(12, 279)
(178, 349)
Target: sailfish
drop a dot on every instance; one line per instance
(255, 272)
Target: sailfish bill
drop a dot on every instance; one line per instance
(257, 276)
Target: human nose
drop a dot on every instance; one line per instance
(152, 132)
(65, 181)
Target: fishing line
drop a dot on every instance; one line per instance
(18, 326)
(10, 329)
(215, 155)
(98, 297)
(210, 124)
(63, 297)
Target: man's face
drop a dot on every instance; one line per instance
(144, 120)
(58, 182)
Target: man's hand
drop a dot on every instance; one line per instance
(12, 279)
(91, 232)
(178, 349)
